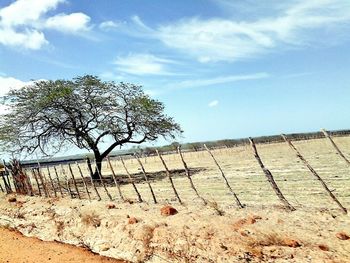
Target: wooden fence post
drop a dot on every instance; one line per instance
(269, 177)
(169, 176)
(8, 184)
(50, 178)
(103, 184)
(115, 179)
(146, 178)
(238, 202)
(46, 182)
(189, 175)
(29, 183)
(42, 182)
(58, 181)
(67, 181)
(132, 181)
(74, 182)
(314, 173)
(2, 189)
(327, 135)
(82, 177)
(88, 163)
(36, 180)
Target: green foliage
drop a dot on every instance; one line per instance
(84, 111)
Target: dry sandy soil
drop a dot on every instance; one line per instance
(33, 250)
(261, 232)
(194, 234)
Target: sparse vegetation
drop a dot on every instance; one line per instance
(91, 219)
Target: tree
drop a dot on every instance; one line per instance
(86, 112)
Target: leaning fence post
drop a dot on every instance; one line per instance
(42, 183)
(52, 184)
(7, 187)
(88, 163)
(189, 175)
(74, 182)
(8, 184)
(132, 181)
(327, 135)
(169, 176)
(103, 183)
(46, 183)
(2, 189)
(115, 179)
(36, 180)
(67, 181)
(58, 181)
(269, 177)
(82, 177)
(146, 178)
(29, 184)
(314, 173)
(238, 202)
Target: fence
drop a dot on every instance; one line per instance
(143, 179)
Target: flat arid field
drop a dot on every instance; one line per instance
(263, 231)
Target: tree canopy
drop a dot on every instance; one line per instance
(85, 111)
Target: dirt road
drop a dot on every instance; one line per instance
(15, 248)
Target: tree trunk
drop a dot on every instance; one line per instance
(98, 168)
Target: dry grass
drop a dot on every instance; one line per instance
(59, 227)
(243, 174)
(254, 246)
(91, 219)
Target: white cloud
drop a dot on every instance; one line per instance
(23, 21)
(231, 39)
(7, 84)
(195, 83)
(71, 23)
(30, 39)
(213, 103)
(109, 25)
(22, 12)
(143, 64)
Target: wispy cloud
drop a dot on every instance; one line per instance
(205, 82)
(109, 25)
(218, 39)
(143, 64)
(22, 23)
(213, 103)
(195, 83)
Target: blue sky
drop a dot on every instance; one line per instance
(224, 69)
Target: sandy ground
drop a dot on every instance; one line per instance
(15, 248)
(194, 234)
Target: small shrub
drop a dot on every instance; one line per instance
(59, 227)
(91, 220)
(19, 215)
